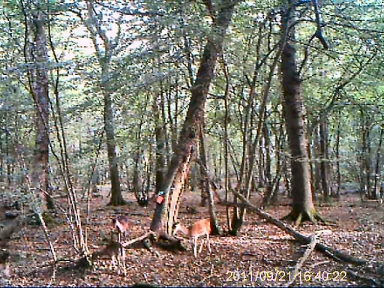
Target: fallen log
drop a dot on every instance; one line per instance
(327, 251)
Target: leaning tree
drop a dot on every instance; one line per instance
(168, 200)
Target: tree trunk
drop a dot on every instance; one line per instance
(104, 53)
(316, 170)
(324, 164)
(207, 184)
(302, 205)
(337, 155)
(39, 77)
(160, 134)
(376, 186)
(116, 196)
(190, 133)
(138, 179)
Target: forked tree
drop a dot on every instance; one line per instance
(168, 199)
(105, 49)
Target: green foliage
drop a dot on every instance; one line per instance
(155, 49)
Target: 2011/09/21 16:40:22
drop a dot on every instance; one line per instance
(283, 276)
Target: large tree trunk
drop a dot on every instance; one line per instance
(302, 205)
(190, 133)
(39, 77)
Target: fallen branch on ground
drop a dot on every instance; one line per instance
(138, 239)
(328, 251)
(300, 263)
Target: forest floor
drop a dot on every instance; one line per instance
(262, 254)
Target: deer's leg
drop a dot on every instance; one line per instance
(113, 261)
(201, 246)
(209, 246)
(123, 260)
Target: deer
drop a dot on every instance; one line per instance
(122, 225)
(115, 251)
(197, 229)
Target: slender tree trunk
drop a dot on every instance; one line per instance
(207, 182)
(104, 53)
(190, 133)
(271, 196)
(109, 126)
(365, 161)
(337, 152)
(138, 179)
(227, 173)
(324, 166)
(204, 183)
(316, 171)
(160, 135)
(376, 188)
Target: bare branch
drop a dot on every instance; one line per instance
(319, 31)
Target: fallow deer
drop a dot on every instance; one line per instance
(199, 228)
(122, 225)
(114, 251)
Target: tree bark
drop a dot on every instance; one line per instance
(324, 164)
(376, 186)
(116, 196)
(190, 133)
(39, 79)
(302, 204)
(207, 184)
(104, 54)
(337, 155)
(160, 134)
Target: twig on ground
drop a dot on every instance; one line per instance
(300, 263)
(320, 263)
(146, 235)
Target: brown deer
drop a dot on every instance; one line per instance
(122, 225)
(199, 228)
(114, 251)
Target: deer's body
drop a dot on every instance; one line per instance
(122, 225)
(114, 251)
(199, 228)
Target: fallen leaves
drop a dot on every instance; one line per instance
(261, 249)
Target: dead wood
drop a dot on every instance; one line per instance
(301, 261)
(138, 239)
(160, 239)
(328, 251)
(168, 242)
